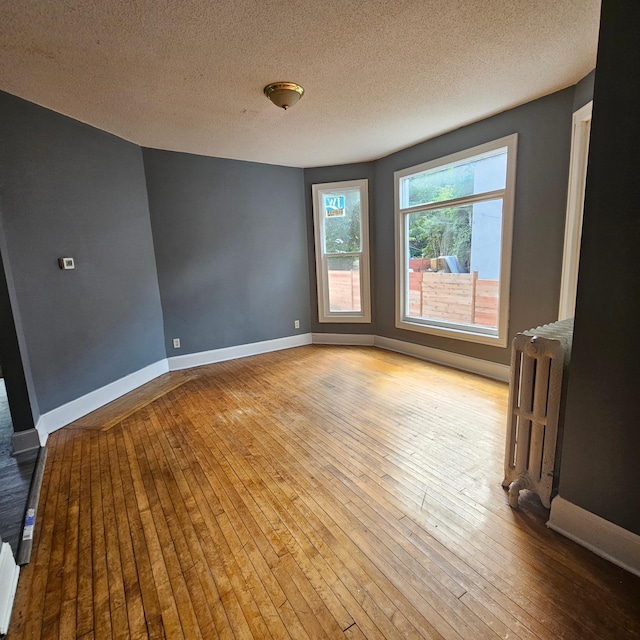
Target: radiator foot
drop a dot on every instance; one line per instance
(514, 491)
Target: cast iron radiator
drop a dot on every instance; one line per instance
(539, 359)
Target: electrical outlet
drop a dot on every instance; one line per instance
(176, 343)
(296, 324)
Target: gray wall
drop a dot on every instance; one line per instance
(233, 243)
(601, 464)
(340, 173)
(231, 249)
(68, 189)
(583, 91)
(544, 140)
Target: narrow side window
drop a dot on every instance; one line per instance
(341, 226)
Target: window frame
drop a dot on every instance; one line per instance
(322, 275)
(450, 329)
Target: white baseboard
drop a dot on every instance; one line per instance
(71, 411)
(67, 413)
(351, 339)
(455, 360)
(608, 540)
(9, 572)
(240, 351)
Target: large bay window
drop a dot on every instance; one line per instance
(454, 219)
(341, 223)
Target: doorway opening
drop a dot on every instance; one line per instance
(16, 473)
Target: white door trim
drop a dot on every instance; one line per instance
(575, 204)
(9, 572)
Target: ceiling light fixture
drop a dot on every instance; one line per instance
(283, 94)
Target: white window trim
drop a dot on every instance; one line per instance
(460, 332)
(581, 131)
(324, 313)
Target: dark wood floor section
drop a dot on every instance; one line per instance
(320, 492)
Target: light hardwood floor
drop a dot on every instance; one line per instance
(319, 492)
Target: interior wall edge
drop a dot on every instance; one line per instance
(601, 439)
(21, 395)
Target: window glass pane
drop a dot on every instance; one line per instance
(342, 229)
(454, 264)
(455, 181)
(344, 283)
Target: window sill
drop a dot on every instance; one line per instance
(468, 335)
(344, 318)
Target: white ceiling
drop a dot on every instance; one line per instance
(379, 75)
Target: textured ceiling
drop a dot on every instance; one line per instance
(379, 75)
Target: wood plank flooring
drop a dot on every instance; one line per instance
(319, 492)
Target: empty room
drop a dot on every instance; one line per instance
(317, 319)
